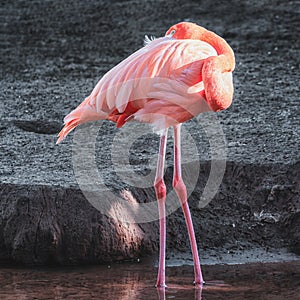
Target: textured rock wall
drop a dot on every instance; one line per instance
(256, 207)
(52, 54)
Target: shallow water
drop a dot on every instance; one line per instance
(136, 281)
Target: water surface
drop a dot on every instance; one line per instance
(129, 281)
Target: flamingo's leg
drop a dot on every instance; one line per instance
(180, 189)
(160, 189)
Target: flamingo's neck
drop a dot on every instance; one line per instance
(222, 48)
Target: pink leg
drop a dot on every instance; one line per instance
(160, 189)
(180, 189)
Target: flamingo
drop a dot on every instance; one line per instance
(165, 83)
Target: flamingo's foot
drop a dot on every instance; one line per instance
(199, 282)
(160, 285)
(161, 282)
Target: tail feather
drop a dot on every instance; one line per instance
(69, 126)
(83, 113)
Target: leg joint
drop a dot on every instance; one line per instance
(180, 189)
(160, 189)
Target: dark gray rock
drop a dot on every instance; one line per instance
(46, 225)
(52, 54)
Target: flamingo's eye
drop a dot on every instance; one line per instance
(173, 32)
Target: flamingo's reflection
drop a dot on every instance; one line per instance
(161, 292)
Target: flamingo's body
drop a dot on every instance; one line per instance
(167, 82)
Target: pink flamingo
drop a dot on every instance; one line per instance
(167, 82)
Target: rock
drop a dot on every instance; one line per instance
(46, 225)
(52, 56)
(52, 225)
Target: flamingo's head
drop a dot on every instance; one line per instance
(186, 30)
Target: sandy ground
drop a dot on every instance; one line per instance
(53, 53)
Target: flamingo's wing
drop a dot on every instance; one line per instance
(165, 69)
(160, 59)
